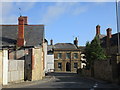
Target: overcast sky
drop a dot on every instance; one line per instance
(64, 20)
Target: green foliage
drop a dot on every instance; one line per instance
(94, 51)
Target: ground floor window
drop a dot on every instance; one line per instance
(60, 65)
(75, 65)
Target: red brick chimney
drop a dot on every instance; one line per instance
(20, 39)
(98, 30)
(25, 20)
(109, 35)
(108, 43)
(51, 42)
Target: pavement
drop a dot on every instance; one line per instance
(23, 84)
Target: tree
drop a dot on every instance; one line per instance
(93, 52)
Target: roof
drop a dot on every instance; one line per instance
(50, 48)
(82, 48)
(101, 36)
(113, 40)
(64, 46)
(34, 34)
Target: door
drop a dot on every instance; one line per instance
(68, 66)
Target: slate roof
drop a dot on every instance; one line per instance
(101, 36)
(64, 46)
(34, 34)
(113, 40)
(82, 48)
(50, 48)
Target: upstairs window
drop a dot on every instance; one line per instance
(67, 55)
(59, 55)
(75, 55)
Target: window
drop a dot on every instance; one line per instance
(75, 65)
(59, 55)
(67, 55)
(75, 55)
(60, 65)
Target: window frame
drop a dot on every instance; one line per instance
(60, 66)
(59, 56)
(75, 55)
(68, 56)
(75, 65)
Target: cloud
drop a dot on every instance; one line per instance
(10, 11)
(58, 9)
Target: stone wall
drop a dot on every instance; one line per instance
(15, 70)
(85, 72)
(103, 70)
(37, 71)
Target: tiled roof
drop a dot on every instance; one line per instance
(34, 35)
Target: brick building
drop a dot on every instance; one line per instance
(110, 44)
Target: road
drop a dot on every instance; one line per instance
(73, 80)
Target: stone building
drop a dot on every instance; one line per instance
(67, 57)
(23, 46)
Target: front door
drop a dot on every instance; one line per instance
(68, 66)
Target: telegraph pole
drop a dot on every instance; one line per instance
(118, 28)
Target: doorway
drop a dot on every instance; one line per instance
(68, 66)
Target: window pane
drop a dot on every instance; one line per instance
(67, 55)
(59, 65)
(75, 65)
(75, 55)
(59, 55)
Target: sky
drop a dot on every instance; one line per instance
(64, 20)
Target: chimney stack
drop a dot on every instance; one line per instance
(76, 41)
(25, 20)
(20, 39)
(51, 42)
(98, 30)
(109, 35)
(108, 43)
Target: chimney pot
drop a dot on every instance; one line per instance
(25, 20)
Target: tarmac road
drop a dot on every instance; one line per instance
(69, 81)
